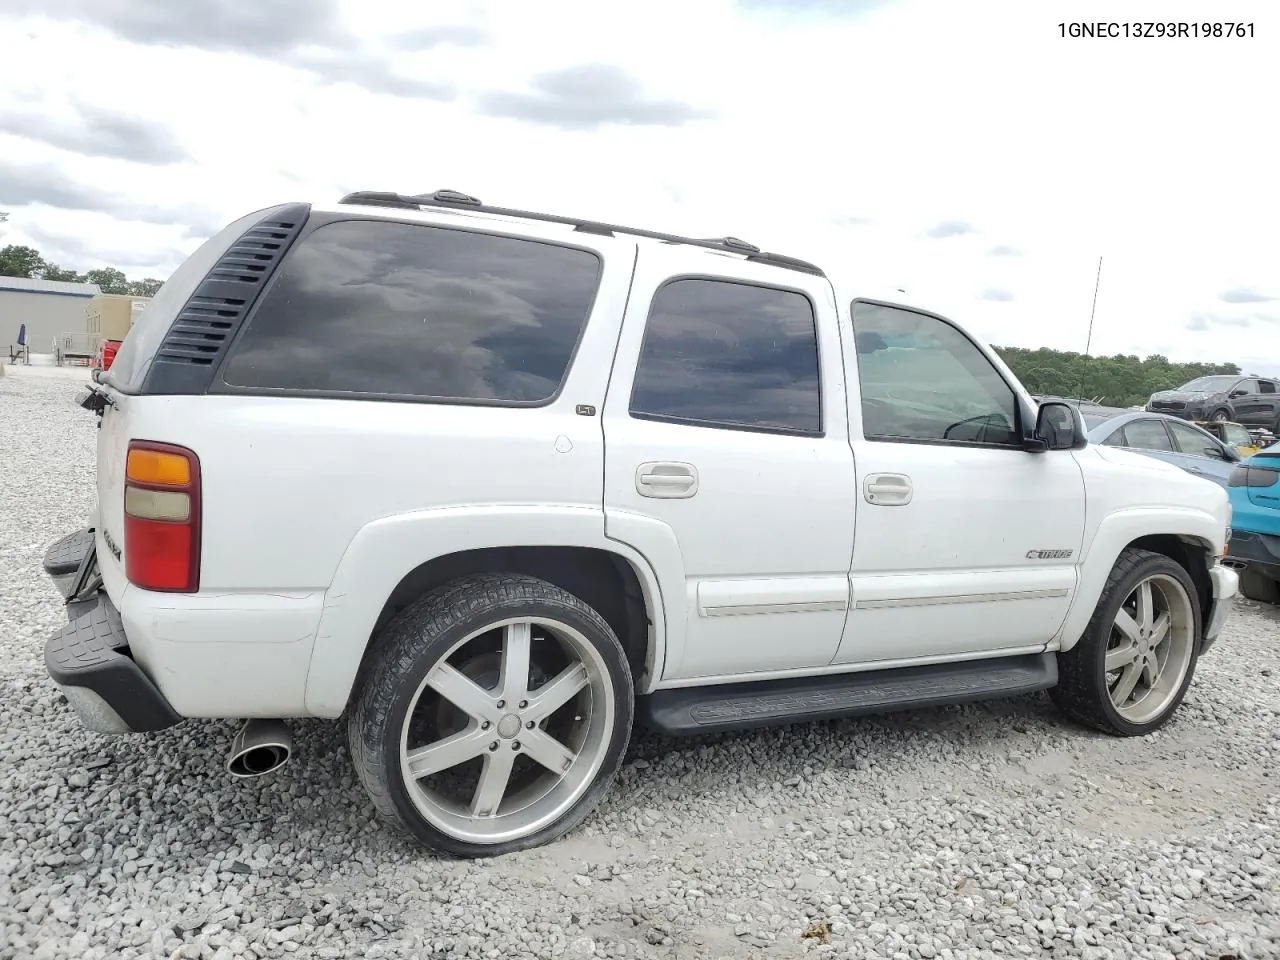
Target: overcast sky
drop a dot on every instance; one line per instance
(963, 151)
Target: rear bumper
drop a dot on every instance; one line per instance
(1254, 550)
(89, 658)
(1224, 586)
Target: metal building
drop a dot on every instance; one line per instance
(51, 309)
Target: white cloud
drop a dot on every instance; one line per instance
(847, 133)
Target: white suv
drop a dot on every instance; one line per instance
(489, 483)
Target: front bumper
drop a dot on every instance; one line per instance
(1224, 585)
(89, 658)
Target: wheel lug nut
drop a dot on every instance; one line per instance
(530, 724)
(486, 725)
(523, 704)
(494, 745)
(501, 704)
(515, 744)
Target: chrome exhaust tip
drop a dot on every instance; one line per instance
(260, 747)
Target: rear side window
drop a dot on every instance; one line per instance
(1147, 435)
(396, 309)
(732, 355)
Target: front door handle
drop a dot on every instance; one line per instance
(887, 489)
(667, 479)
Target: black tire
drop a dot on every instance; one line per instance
(414, 642)
(1081, 692)
(1258, 586)
(1221, 415)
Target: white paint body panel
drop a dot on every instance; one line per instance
(773, 563)
(766, 541)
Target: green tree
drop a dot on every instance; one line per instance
(144, 288)
(18, 261)
(1120, 380)
(109, 280)
(54, 272)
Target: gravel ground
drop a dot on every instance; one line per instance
(992, 830)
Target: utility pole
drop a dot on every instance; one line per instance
(1088, 343)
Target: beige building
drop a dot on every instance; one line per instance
(110, 316)
(51, 310)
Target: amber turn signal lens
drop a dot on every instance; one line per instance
(159, 468)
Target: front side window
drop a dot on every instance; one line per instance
(922, 379)
(722, 354)
(1190, 440)
(375, 307)
(1147, 435)
(1246, 387)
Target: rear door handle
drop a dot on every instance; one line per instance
(887, 489)
(668, 480)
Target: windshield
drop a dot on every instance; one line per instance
(1209, 384)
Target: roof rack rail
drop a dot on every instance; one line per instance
(454, 199)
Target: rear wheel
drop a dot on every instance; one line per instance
(1131, 668)
(1258, 586)
(494, 716)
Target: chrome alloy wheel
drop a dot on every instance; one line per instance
(508, 730)
(1150, 648)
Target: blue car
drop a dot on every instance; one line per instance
(1164, 437)
(1254, 548)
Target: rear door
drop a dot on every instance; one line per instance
(726, 453)
(1251, 406)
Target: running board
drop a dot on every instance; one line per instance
(741, 706)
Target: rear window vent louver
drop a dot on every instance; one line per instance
(202, 329)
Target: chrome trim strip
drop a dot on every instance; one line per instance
(960, 598)
(802, 606)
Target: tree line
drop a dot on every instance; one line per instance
(1118, 381)
(27, 262)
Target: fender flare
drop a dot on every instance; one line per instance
(1116, 531)
(384, 551)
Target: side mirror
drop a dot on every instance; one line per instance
(1059, 426)
(1237, 393)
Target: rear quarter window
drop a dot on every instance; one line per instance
(368, 307)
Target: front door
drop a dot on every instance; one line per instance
(726, 451)
(966, 543)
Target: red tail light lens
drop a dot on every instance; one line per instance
(162, 517)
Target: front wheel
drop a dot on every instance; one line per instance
(493, 717)
(1131, 668)
(1221, 415)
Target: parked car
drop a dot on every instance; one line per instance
(1252, 401)
(489, 484)
(1234, 435)
(1254, 547)
(1165, 438)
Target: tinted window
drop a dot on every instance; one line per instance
(365, 306)
(733, 354)
(1147, 435)
(1190, 440)
(1116, 439)
(922, 379)
(1246, 386)
(1266, 386)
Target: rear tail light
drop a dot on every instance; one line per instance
(1252, 477)
(162, 517)
(109, 350)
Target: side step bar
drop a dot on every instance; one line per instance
(741, 706)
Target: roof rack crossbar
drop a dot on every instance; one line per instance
(453, 199)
